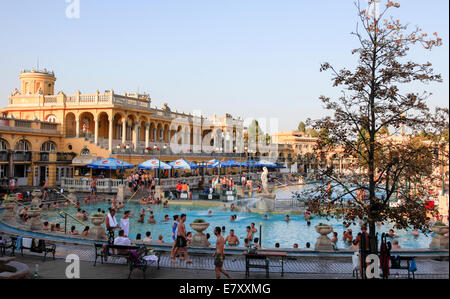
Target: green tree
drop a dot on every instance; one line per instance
(371, 102)
(302, 127)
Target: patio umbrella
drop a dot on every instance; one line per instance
(249, 163)
(279, 166)
(110, 163)
(154, 164)
(264, 163)
(183, 164)
(232, 163)
(214, 163)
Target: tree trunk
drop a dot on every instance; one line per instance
(372, 237)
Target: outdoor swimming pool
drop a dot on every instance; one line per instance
(274, 229)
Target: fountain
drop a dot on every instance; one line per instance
(34, 212)
(36, 201)
(266, 203)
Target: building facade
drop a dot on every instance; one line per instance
(106, 124)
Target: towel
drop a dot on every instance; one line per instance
(19, 243)
(151, 258)
(27, 242)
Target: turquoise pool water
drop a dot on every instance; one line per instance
(274, 230)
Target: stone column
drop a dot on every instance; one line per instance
(52, 170)
(147, 132)
(124, 131)
(110, 135)
(135, 135)
(96, 131)
(77, 127)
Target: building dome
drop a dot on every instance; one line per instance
(37, 82)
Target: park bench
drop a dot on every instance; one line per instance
(104, 251)
(117, 251)
(396, 264)
(261, 260)
(7, 244)
(35, 245)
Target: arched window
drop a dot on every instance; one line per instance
(3, 145)
(51, 118)
(85, 152)
(48, 147)
(22, 145)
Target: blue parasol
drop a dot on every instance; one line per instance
(154, 164)
(183, 164)
(264, 163)
(249, 163)
(110, 163)
(232, 163)
(214, 163)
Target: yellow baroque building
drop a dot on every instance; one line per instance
(52, 126)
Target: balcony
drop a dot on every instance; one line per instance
(65, 157)
(22, 156)
(4, 156)
(60, 157)
(44, 157)
(28, 126)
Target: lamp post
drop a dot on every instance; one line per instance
(125, 147)
(159, 163)
(260, 233)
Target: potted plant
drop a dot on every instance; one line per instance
(323, 242)
(9, 205)
(199, 238)
(97, 231)
(35, 221)
(97, 219)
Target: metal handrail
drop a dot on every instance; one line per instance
(133, 194)
(74, 218)
(69, 199)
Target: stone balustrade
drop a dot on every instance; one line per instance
(112, 185)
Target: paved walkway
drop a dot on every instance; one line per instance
(56, 270)
(203, 266)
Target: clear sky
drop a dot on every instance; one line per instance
(249, 58)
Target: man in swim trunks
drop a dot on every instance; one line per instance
(249, 234)
(181, 238)
(232, 239)
(219, 255)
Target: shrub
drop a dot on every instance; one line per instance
(199, 221)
